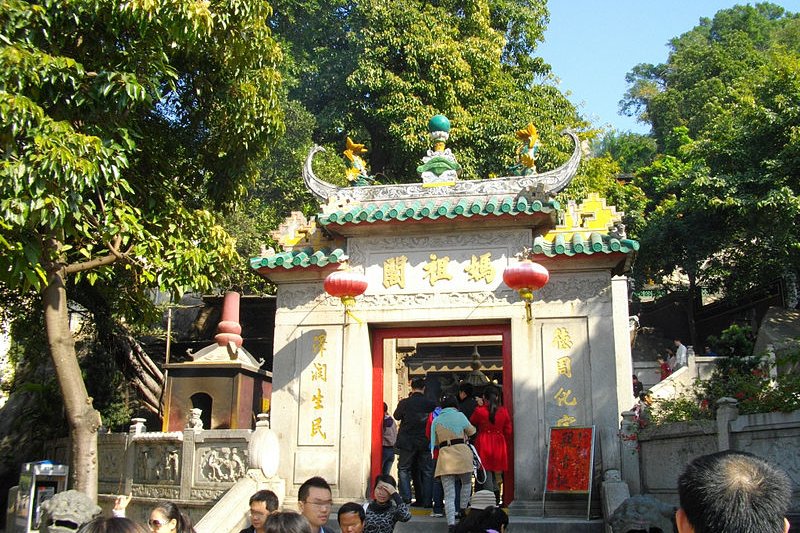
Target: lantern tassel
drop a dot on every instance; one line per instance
(527, 297)
(349, 302)
(349, 313)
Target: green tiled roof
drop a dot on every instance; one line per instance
(577, 245)
(303, 258)
(431, 210)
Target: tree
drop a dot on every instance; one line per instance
(121, 125)
(723, 195)
(387, 67)
(703, 64)
(630, 150)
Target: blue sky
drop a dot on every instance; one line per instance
(592, 44)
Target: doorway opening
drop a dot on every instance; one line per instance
(444, 355)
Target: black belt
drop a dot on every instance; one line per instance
(451, 442)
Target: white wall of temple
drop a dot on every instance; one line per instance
(571, 363)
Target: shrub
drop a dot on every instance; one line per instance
(746, 379)
(682, 408)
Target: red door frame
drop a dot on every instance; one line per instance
(381, 334)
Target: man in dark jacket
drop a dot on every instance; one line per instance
(466, 399)
(412, 446)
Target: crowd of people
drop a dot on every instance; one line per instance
(723, 492)
(437, 444)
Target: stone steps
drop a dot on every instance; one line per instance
(518, 524)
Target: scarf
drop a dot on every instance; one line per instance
(379, 508)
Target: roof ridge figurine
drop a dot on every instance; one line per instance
(439, 172)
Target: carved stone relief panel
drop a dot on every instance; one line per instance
(157, 463)
(779, 446)
(570, 287)
(112, 459)
(159, 492)
(221, 464)
(304, 295)
(207, 494)
(436, 300)
(662, 474)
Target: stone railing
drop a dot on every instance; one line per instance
(192, 468)
(654, 457)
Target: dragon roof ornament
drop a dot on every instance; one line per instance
(544, 184)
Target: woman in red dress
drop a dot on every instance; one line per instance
(494, 434)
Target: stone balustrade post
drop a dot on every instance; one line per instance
(137, 427)
(629, 444)
(727, 411)
(187, 459)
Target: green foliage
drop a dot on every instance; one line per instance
(735, 340)
(42, 415)
(682, 408)
(724, 201)
(104, 382)
(630, 150)
(120, 125)
(746, 379)
(123, 127)
(387, 67)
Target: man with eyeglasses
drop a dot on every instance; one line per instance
(314, 499)
(262, 504)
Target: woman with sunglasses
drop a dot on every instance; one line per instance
(115, 524)
(164, 518)
(167, 518)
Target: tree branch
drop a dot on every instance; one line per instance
(115, 255)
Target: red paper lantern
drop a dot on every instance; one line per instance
(346, 284)
(525, 277)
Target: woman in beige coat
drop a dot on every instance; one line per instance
(449, 432)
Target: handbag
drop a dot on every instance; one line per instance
(477, 465)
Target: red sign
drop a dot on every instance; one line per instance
(569, 460)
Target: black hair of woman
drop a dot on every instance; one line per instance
(169, 511)
(287, 522)
(115, 524)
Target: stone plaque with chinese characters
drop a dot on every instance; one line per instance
(567, 372)
(319, 364)
(470, 262)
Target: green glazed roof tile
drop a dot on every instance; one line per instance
(301, 258)
(389, 211)
(599, 243)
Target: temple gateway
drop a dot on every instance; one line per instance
(432, 256)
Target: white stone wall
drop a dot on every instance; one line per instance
(585, 309)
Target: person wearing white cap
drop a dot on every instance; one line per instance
(482, 499)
